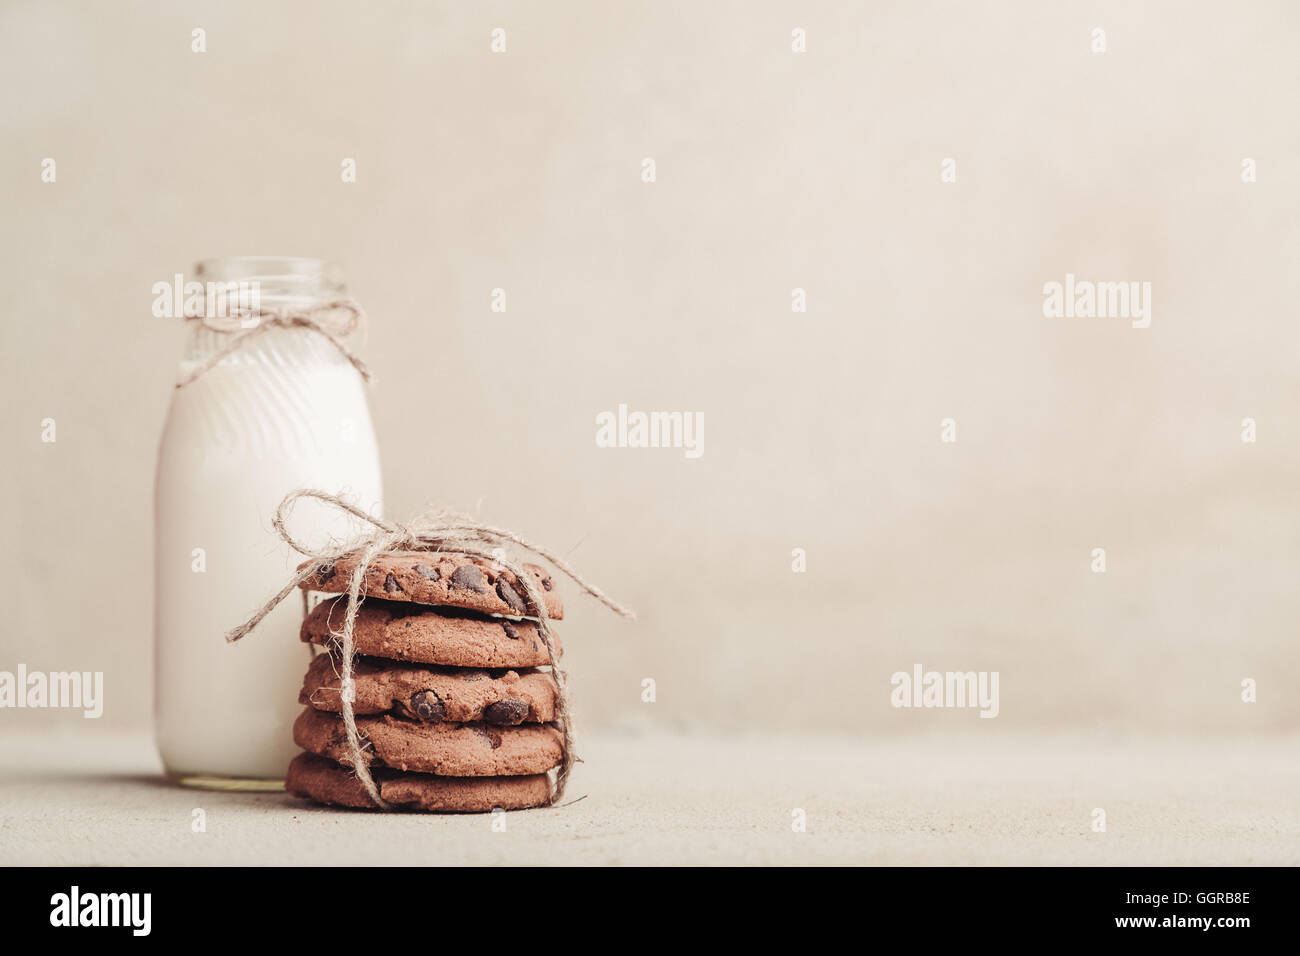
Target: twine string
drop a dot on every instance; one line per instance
(335, 320)
(441, 531)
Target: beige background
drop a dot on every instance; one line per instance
(775, 170)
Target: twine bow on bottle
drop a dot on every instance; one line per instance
(335, 320)
(440, 531)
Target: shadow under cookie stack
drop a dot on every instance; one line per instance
(453, 710)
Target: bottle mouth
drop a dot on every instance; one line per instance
(273, 280)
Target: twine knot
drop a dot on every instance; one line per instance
(442, 531)
(335, 320)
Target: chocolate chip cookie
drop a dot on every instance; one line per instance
(454, 750)
(326, 782)
(409, 632)
(450, 580)
(433, 694)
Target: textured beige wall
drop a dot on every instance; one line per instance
(775, 170)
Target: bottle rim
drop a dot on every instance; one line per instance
(278, 279)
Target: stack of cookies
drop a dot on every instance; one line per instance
(453, 712)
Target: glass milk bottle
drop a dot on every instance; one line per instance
(287, 410)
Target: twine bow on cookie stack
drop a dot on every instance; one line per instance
(439, 531)
(334, 320)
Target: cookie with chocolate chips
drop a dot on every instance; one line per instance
(433, 694)
(447, 580)
(326, 782)
(453, 750)
(410, 632)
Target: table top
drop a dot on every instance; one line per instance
(659, 798)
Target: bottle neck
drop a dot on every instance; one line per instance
(239, 291)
